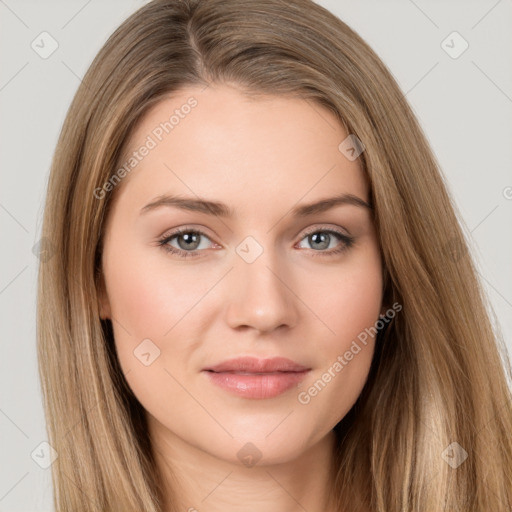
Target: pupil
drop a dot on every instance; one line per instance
(189, 238)
(324, 244)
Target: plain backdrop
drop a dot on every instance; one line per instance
(463, 100)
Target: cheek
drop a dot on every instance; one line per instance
(149, 300)
(147, 296)
(349, 299)
(349, 307)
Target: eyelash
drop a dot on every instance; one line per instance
(348, 241)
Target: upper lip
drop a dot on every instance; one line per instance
(257, 365)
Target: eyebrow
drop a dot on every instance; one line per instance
(222, 210)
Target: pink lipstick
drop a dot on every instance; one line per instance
(251, 377)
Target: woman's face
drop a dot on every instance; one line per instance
(262, 273)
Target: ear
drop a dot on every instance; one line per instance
(103, 302)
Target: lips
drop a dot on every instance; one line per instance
(251, 377)
(256, 365)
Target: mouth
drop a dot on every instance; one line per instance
(254, 378)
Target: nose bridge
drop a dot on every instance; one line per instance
(260, 293)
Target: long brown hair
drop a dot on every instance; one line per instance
(439, 375)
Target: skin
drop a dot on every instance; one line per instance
(262, 157)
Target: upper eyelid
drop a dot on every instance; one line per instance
(308, 231)
(179, 231)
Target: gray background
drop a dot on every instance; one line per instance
(464, 105)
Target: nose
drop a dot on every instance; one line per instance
(261, 295)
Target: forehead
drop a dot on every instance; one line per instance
(219, 142)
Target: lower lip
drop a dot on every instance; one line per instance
(259, 386)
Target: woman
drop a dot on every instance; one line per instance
(198, 350)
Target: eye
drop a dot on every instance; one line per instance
(188, 241)
(321, 239)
